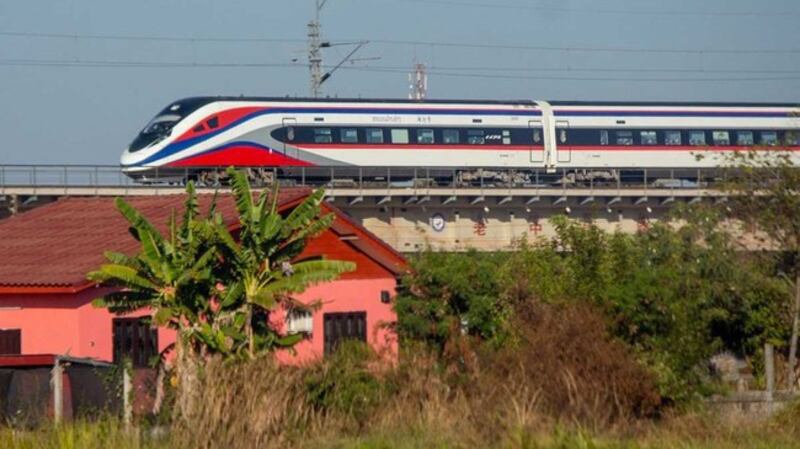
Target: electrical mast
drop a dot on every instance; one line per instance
(315, 46)
(418, 83)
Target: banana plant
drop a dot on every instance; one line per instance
(261, 262)
(171, 275)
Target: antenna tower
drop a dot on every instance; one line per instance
(418, 83)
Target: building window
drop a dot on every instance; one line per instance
(697, 138)
(769, 138)
(745, 138)
(134, 339)
(10, 342)
(425, 136)
(672, 138)
(400, 136)
(323, 135)
(476, 137)
(349, 135)
(299, 321)
(624, 138)
(343, 326)
(649, 138)
(450, 136)
(374, 135)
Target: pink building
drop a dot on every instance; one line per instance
(45, 299)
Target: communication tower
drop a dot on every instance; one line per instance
(418, 83)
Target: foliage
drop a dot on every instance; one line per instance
(217, 290)
(675, 294)
(260, 268)
(765, 196)
(172, 276)
(345, 383)
(465, 286)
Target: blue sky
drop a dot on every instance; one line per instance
(63, 101)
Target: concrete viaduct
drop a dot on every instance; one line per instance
(487, 211)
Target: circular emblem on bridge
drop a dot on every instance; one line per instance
(437, 222)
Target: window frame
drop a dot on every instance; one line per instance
(318, 133)
(420, 131)
(739, 141)
(404, 136)
(480, 134)
(696, 143)
(342, 135)
(370, 133)
(617, 137)
(648, 142)
(673, 133)
(721, 143)
(139, 352)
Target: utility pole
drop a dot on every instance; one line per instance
(315, 46)
(418, 83)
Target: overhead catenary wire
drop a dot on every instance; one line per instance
(439, 71)
(593, 10)
(444, 44)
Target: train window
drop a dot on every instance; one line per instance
(792, 138)
(323, 135)
(476, 137)
(506, 137)
(537, 136)
(697, 138)
(604, 137)
(769, 138)
(624, 137)
(450, 136)
(290, 133)
(425, 136)
(213, 122)
(399, 136)
(349, 135)
(649, 138)
(745, 138)
(199, 128)
(562, 135)
(374, 135)
(721, 138)
(672, 138)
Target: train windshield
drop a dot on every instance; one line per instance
(161, 126)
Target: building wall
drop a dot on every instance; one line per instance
(70, 325)
(65, 324)
(361, 295)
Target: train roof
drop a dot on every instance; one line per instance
(556, 103)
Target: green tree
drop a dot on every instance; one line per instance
(764, 188)
(260, 266)
(172, 275)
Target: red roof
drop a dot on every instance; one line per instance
(51, 248)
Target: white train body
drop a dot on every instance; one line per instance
(209, 132)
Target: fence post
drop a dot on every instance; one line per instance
(127, 394)
(57, 382)
(769, 372)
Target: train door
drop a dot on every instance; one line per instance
(537, 142)
(290, 125)
(562, 141)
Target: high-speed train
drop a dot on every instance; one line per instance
(196, 133)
